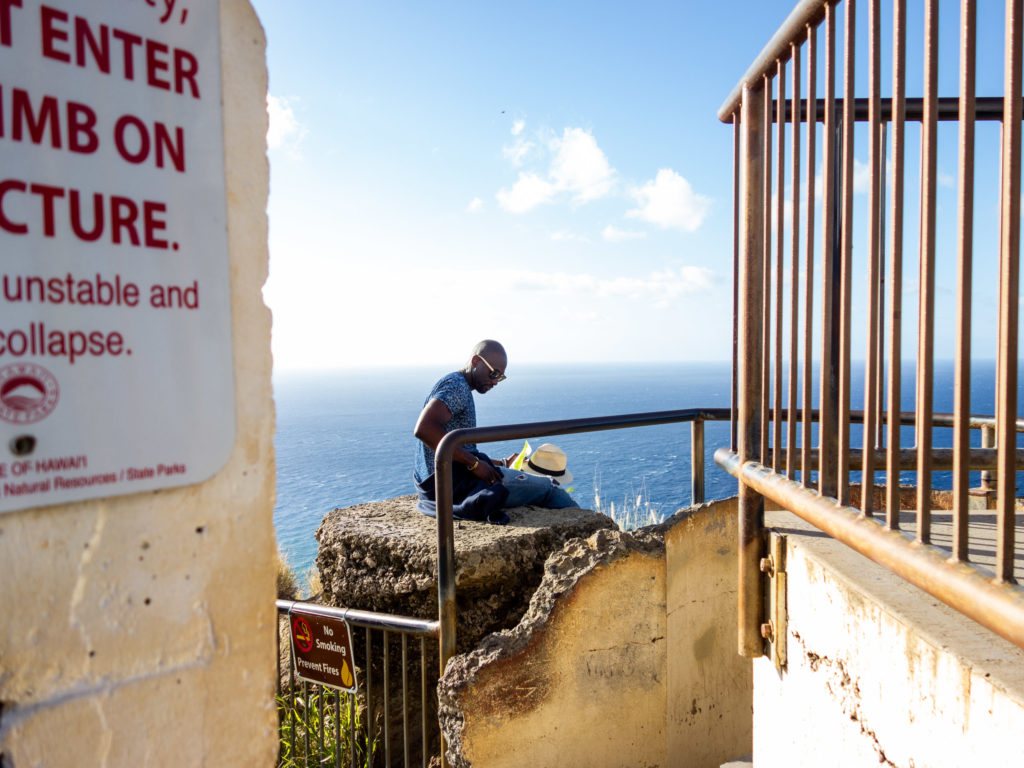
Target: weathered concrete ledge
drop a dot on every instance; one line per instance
(550, 674)
(382, 556)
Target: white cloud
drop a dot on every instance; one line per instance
(515, 153)
(475, 205)
(284, 129)
(565, 235)
(580, 167)
(659, 289)
(517, 127)
(670, 202)
(527, 193)
(861, 177)
(615, 235)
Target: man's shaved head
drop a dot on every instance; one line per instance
(490, 347)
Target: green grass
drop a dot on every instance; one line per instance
(315, 716)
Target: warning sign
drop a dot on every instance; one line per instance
(322, 649)
(116, 372)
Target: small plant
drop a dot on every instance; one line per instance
(636, 511)
(314, 586)
(287, 581)
(309, 728)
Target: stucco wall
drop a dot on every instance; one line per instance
(627, 657)
(709, 684)
(139, 630)
(879, 673)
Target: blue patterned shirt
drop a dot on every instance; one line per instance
(453, 390)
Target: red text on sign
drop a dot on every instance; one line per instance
(125, 221)
(42, 124)
(136, 141)
(5, 20)
(165, 68)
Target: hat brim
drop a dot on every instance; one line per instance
(563, 479)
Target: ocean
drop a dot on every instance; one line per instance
(345, 437)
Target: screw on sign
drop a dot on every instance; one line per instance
(322, 649)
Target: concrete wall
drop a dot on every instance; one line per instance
(140, 630)
(880, 673)
(709, 703)
(627, 657)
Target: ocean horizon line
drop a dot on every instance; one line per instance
(534, 365)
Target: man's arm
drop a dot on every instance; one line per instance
(430, 429)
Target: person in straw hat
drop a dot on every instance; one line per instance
(481, 485)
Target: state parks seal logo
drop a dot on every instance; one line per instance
(28, 393)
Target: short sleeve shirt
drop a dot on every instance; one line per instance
(453, 390)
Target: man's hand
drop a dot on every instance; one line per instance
(511, 460)
(486, 472)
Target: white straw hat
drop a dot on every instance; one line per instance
(548, 461)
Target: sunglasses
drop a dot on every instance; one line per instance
(496, 376)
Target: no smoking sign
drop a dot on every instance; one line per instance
(322, 649)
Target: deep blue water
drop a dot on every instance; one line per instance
(344, 438)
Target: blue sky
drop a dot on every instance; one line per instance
(552, 175)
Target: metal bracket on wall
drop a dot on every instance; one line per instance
(774, 629)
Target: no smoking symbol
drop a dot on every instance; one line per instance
(302, 633)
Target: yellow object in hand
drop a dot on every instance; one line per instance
(518, 463)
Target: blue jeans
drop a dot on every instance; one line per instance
(526, 489)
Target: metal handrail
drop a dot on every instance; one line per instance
(995, 604)
(452, 440)
(793, 29)
(371, 619)
(443, 479)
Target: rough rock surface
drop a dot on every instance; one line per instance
(382, 556)
(562, 572)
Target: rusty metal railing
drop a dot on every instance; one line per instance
(765, 464)
(443, 479)
(319, 726)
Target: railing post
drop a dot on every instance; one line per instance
(696, 462)
(751, 274)
(988, 476)
(445, 558)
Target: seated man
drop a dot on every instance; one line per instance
(480, 486)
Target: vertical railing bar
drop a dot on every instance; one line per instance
(352, 734)
(826, 436)
(880, 333)
(926, 279)
(867, 482)
(405, 697)
(735, 271)
(846, 269)
(424, 741)
(892, 456)
(766, 323)
(371, 736)
(806, 420)
(751, 316)
(965, 211)
(780, 202)
(696, 462)
(387, 701)
(320, 722)
(292, 713)
(306, 703)
(794, 269)
(1009, 293)
(988, 477)
(337, 729)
